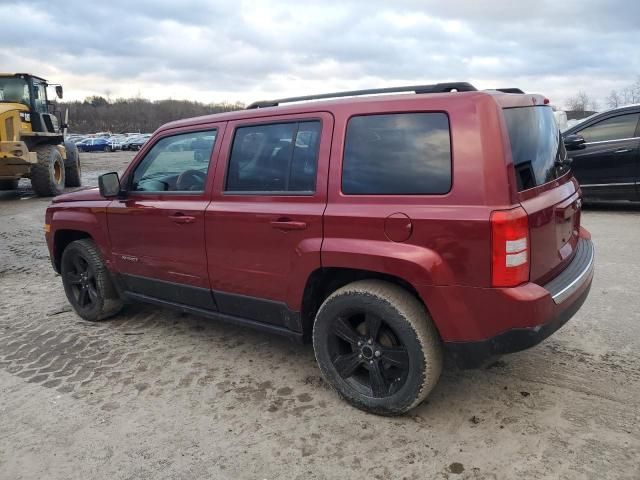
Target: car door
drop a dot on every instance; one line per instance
(264, 225)
(157, 228)
(608, 166)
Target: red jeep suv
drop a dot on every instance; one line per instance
(384, 228)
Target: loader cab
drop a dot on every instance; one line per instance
(31, 91)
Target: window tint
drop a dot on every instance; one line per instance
(536, 145)
(279, 157)
(405, 153)
(622, 126)
(14, 89)
(176, 164)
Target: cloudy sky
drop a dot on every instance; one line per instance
(242, 51)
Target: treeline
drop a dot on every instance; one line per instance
(625, 96)
(97, 114)
(583, 102)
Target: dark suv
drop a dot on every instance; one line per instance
(385, 229)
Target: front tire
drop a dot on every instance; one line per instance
(87, 282)
(48, 175)
(377, 346)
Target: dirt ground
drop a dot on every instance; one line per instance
(152, 394)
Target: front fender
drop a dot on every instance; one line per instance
(91, 220)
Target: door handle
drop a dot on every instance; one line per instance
(622, 150)
(181, 218)
(288, 224)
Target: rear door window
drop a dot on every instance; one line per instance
(397, 154)
(536, 145)
(274, 158)
(615, 128)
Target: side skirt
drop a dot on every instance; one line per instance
(257, 313)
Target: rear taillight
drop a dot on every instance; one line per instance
(509, 247)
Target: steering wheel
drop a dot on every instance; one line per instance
(191, 180)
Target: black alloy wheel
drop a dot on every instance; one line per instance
(376, 344)
(87, 282)
(82, 282)
(368, 355)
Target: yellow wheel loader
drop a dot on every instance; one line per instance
(32, 141)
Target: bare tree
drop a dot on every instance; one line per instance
(581, 102)
(632, 92)
(626, 96)
(614, 100)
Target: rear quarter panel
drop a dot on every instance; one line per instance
(450, 237)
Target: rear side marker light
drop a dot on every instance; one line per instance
(509, 247)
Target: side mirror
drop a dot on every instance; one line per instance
(574, 142)
(59, 91)
(109, 184)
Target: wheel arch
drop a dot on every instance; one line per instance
(61, 240)
(323, 281)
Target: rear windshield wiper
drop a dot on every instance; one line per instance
(566, 162)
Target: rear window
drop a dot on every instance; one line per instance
(397, 154)
(536, 145)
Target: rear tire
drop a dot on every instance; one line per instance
(48, 175)
(73, 170)
(9, 184)
(377, 346)
(87, 282)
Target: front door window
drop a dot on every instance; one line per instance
(178, 163)
(40, 98)
(615, 128)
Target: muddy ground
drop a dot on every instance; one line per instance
(152, 394)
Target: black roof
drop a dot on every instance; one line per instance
(23, 75)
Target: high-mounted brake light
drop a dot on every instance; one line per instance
(509, 247)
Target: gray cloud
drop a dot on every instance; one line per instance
(236, 50)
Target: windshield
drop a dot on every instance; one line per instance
(14, 89)
(536, 145)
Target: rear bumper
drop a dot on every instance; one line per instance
(476, 323)
(575, 275)
(473, 354)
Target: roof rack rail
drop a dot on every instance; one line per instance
(509, 90)
(435, 88)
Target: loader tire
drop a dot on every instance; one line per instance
(48, 175)
(72, 167)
